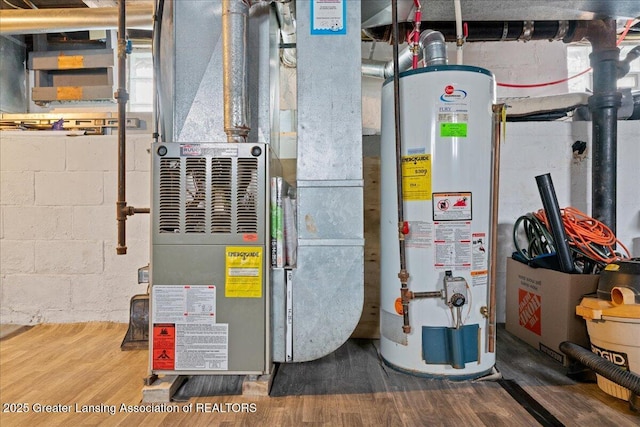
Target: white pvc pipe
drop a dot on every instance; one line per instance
(459, 33)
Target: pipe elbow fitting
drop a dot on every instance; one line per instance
(434, 48)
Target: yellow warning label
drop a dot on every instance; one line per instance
(243, 272)
(68, 93)
(66, 62)
(416, 177)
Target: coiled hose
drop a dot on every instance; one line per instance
(602, 366)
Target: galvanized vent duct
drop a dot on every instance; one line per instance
(234, 66)
(432, 49)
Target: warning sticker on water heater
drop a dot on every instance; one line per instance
(416, 177)
(452, 206)
(243, 272)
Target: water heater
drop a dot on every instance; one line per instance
(447, 176)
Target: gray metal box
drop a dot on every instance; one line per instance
(209, 268)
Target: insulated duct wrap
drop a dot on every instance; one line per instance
(234, 69)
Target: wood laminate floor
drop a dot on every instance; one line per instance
(79, 367)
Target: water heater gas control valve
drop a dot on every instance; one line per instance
(455, 290)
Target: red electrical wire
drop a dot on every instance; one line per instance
(585, 232)
(555, 82)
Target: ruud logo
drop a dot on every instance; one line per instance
(190, 150)
(451, 94)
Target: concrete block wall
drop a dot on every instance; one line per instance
(537, 61)
(58, 230)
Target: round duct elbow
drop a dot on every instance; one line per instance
(434, 48)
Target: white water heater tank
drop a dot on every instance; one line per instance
(446, 125)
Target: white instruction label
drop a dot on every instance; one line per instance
(452, 245)
(202, 346)
(184, 304)
(420, 235)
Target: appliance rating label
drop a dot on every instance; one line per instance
(243, 272)
(416, 177)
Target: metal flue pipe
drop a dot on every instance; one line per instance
(384, 69)
(42, 21)
(431, 48)
(234, 68)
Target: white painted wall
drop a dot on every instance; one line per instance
(58, 228)
(538, 61)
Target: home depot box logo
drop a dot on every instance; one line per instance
(529, 311)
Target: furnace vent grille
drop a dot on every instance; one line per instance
(247, 197)
(196, 194)
(221, 200)
(169, 209)
(210, 195)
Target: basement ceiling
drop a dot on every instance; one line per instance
(378, 12)
(46, 4)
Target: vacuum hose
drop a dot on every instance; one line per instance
(602, 366)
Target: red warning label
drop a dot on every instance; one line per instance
(164, 346)
(529, 310)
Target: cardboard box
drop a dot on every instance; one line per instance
(541, 307)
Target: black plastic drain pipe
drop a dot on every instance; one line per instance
(604, 104)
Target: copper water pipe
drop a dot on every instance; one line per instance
(498, 110)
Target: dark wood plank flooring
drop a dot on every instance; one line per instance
(81, 364)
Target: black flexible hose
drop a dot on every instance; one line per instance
(602, 366)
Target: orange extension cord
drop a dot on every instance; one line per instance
(585, 232)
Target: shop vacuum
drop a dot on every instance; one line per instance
(613, 324)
